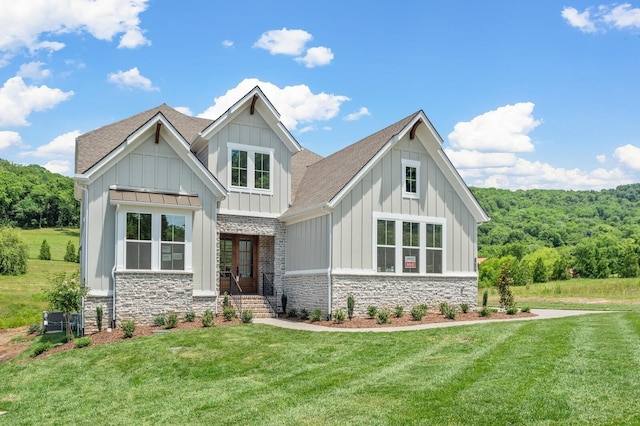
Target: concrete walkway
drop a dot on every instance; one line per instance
(540, 314)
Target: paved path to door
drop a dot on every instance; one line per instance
(540, 314)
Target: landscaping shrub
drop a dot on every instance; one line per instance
(158, 320)
(449, 311)
(283, 299)
(464, 307)
(418, 312)
(316, 315)
(225, 300)
(383, 316)
(40, 348)
(372, 311)
(292, 313)
(512, 310)
(207, 318)
(70, 254)
(339, 316)
(190, 316)
(525, 309)
(504, 282)
(34, 328)
(485, 298)
(399, 311)
(247, 316)
(485, 312)
(82, 342)
(351, 303)
(13, 252)
(303, 314)
(128, 328)
(45, 251)
(66, 295)
(171, 321)
(228, 313)
(99, 316)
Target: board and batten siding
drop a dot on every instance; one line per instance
(247, 129)
(307, 245)
(153, 167)
(380, 190)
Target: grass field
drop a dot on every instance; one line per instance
(56, 237)
(577, 370)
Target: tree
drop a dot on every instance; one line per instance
(504, 282)
(629, 267)
(45, 251)
(561, 269)
(520, 273)
(539, 271)
(70, 255)
(13, 252)
(66, 296)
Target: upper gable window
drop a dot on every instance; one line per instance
(250, 168)
(410, 179)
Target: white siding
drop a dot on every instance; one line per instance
(380, 190)
(307, 247)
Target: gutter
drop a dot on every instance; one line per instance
(329, 267)
(113, 270)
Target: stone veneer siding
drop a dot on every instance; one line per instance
(391, 291)
(307, 291)
(272, 244)
(141, 296)
(90, 317)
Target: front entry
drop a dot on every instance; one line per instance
(239, 256)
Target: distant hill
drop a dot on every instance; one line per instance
(33, 197)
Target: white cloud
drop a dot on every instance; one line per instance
(601, 158)
(62, 167)
(34, 70)
(25, 23)
(184, 110)
(316, 56)
(307, 129)
(628, 155)
(504, 129)
(296, 104)
(582, 21)
(62, 146)
(17, 101)
(227, 43)
(620, 16)
(284, 41)
(9, 139)
(363, 111)
(131, 79)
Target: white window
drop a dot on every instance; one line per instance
(410, 179)
(409, 244)
(250, 168)
(153, 239)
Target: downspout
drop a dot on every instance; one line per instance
(85, 241)
(113, 270)
(330, 243)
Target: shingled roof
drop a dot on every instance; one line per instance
(93, 146)
(324, 179)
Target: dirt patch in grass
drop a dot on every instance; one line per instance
(13, 341)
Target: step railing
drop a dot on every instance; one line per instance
(269, 291)
(232, 287)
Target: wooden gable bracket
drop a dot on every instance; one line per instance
(412, 133)
(253, 104)
(158, 125)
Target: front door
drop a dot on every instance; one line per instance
(239, 256)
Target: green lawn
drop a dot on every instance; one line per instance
(577, 370)
(56, 237)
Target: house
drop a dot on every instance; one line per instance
(176, 210)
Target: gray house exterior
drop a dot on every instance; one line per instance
(176, 210)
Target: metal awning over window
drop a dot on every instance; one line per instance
(118, 196)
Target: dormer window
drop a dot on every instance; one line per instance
(410, 179)
(250, 168)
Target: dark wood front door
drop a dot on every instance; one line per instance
(239, 256)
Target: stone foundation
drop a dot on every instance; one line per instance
(90, 317)
(391, 291)
(307, 291)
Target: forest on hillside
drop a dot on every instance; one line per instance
(33, 197)
(593, 234)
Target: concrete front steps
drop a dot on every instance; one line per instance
(259, 305)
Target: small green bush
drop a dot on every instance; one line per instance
(383, 316)
(448, 310)
(190, 316)
(82, 342)
(485, 312)
(284, 299)
(207, 318)
(158, 321)
(292, 313)
(418, 312)
(34, 328)
(464, 307)
(339, 316)
(45, 251)
(512, 310)
(372, 311)
(485, 298)
(247, 316)
(351, 303)
(13, 252)
(316, 315)
(525, 309)
(399, 311)
(70, 255)
(128, 328)
(225, 300)
(229, 313)
(99, 317)
(171, 321)
(40, 348)
(303, 314)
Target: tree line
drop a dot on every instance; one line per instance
(33, 197)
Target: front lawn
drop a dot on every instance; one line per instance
(577, 370)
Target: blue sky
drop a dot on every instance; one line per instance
(525, 94)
